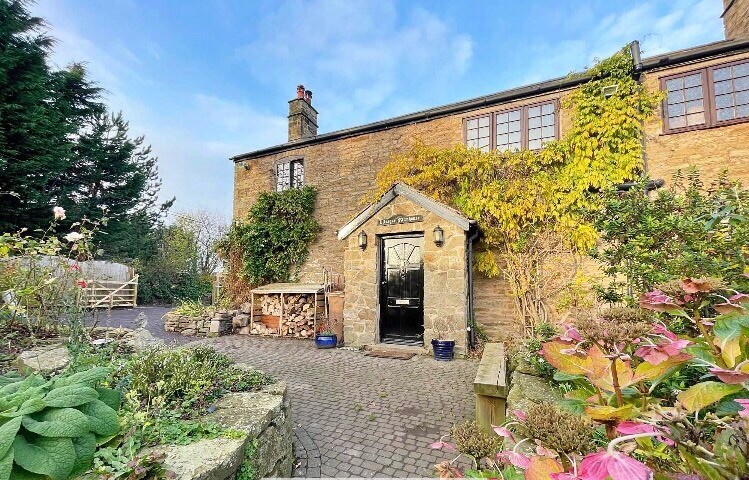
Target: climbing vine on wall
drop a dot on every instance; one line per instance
(272, 243)
(532, 206)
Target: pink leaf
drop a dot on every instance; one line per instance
(731, 377)
(441, 445)
(504, 432)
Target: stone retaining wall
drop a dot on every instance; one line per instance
(209, 324)
(265, 417)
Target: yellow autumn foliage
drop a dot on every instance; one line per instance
(513, 195)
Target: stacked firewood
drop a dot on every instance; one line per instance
(298, 315)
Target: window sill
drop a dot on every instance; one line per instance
(726, 123)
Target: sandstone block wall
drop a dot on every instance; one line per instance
(445, 299)
(345, 171)
(712, 150)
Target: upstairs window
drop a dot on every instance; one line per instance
(541, 125)
(685, 101)
(529, 127)
(509, 130)
(289, 174)
(478, 133)
(731, 86)
(707, 97)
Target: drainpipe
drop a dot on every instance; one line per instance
(469, 259)
(634, 50)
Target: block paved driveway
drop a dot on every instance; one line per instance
(358, 416)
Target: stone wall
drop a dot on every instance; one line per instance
(265, 418)
(736, 18)
(344, 172)
(209, 324)
(712, 150)
(444, 277)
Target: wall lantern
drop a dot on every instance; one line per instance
(362, 240)
(439, 236)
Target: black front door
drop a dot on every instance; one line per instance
(402, 290)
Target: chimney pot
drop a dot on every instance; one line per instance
(308, 96)
(300, 91)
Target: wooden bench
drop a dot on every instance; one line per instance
(491, 386)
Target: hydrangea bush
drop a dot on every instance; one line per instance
(632, 413)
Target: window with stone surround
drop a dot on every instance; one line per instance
(527, 127)
(708, 97)
(289, 174)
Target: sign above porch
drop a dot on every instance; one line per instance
(401, 189)
(401, 219)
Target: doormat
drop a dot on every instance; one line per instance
(389, 354)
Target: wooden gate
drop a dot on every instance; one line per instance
(111, 293)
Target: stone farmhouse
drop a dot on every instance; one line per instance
(406, 259)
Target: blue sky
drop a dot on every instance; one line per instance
(207, 79)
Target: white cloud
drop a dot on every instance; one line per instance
(660, 26)
(359, 57)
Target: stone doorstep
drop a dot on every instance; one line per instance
(387, 347)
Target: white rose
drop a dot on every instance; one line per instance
(73, 237)
(59, 213)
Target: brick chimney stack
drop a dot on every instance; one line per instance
(736, 19)
(302, 116)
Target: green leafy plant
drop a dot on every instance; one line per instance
(273, 241)
(184, 379)
(190, 308)
(682, 230)
(51, 428)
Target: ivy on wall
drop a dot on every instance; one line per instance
(272, 243)
(531, 205)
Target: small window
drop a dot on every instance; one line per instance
(478, 134)
(289, 175)
(731, 86)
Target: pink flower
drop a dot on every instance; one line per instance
(666, 348)
(570, 334)
(744, 402)
(601, 465)
(732, 377)
(728, 307)
(519, 414)
(503, 432)
(440, 445)
(739, 298)
(658, 302)
(630, 428)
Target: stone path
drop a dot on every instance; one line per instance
(359, 416)
(124, 317)
(354, 416)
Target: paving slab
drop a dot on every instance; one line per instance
(356, 415)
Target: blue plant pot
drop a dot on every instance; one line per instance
(326, 341)
(443, 349)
